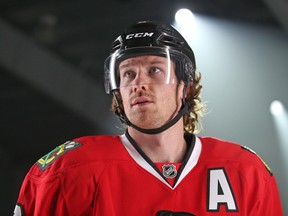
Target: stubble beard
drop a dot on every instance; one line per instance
(151, 117)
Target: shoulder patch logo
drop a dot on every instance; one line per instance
(266, 165)
(49, 158)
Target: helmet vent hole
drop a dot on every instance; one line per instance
(116, 45)
(170, 41)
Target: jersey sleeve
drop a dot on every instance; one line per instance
(269, 203)
(63, 194)
(40, 197)
(59, 183)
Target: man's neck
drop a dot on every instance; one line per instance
(168, 146)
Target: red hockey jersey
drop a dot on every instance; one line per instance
(111, 176)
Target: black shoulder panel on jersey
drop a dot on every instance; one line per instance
(49, 158)
(265, 164)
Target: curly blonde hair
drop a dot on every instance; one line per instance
(196, 108)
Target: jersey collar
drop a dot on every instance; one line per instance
(190, 160)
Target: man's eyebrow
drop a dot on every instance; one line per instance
(149, 62)
(157, 62)
(124, 65)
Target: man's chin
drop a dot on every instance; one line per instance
(145, 124)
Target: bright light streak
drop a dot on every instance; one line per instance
(184, 16)
(185, 22)
(280, 117)
(276, 108)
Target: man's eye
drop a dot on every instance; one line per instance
(155, 70)
(129, 74)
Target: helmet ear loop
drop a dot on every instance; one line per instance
(119, 111)
(184, 95)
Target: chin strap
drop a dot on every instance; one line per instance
(182, 111)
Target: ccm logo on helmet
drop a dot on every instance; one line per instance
(139, 35)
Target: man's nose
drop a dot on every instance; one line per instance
(141, 81)
(139, 87)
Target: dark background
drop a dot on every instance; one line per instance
(51, 68)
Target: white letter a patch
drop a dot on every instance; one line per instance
(220, 191)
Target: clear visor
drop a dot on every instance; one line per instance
(140, 67)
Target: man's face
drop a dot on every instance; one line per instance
(150, 91)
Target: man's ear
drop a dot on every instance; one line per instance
(182, 90)
(187, 91)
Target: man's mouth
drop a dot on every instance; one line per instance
(141, 101)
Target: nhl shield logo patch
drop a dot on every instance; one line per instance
(169, 170)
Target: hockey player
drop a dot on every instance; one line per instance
(158, 167)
